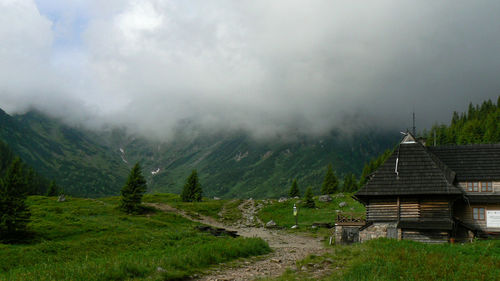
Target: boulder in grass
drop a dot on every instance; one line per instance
(325, 198)
(61, 198)
(271, 224)
(342, 204)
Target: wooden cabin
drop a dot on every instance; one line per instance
(434, 194)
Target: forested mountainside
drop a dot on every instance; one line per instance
(480, 124)
(70, 156)
(90, 164)
(36, 184)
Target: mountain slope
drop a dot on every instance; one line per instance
(94, 164)
(237, 166)
(68, 155)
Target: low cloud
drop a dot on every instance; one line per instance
(269, 68)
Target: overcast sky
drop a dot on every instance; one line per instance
(268, 67)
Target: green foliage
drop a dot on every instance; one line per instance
(308, 198)
(389, 259)
(192, 191)
(480, 124)
(14, 213)
(350, 183)
(133, 191)
(88, 239)
(294, 190)
(36, 184)
(53, 189)
(330, 183)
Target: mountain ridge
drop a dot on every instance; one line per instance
(95, 163)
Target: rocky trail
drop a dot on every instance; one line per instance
(287, 248)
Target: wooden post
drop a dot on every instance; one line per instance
(399, 209)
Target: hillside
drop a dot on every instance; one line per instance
(92, 164)
(71, 156)
(85, 239)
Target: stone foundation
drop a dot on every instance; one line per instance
(378, 229)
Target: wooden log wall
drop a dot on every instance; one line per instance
(407, 209)
(382, 209)
(434, 209)
(427, 236)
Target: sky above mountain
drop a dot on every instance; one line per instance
(268, 67)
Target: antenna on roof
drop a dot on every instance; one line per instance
(414, 131)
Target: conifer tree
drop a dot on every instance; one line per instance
(133, 191)
(192, 191)
(14, 213)
(294, 190)
(52, 191)
(350, 183)
(308, 198)
(330, 182)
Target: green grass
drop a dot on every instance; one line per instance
(385, 259)
(282, 214)
(228, 209)
(85, 239)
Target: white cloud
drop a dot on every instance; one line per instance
(267, 67)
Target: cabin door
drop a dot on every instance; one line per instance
(350, 235)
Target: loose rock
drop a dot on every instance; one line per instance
(325, 198)
(342, 204)
(271, 223)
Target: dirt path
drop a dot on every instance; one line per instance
(287, 248)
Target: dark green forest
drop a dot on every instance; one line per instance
(480, 124)
(36, 184)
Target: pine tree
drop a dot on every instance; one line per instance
(308, 198)
(294, 190)
(14, 213)
(330, 182)
(347, 183)
(350, 183)
(192, 189)
(133, 191)
(52, 191)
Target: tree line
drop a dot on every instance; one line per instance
(480, 124)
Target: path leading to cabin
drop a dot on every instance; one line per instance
(287, 248)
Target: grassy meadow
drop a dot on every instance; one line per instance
(222, 210)
(325, 212)
(87, 239)
(386, 259)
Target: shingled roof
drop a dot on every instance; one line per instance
(471, 162)
(419, 172)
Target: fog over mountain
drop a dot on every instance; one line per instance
(267, 67)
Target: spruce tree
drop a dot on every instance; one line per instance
(133, 191)
(308, 198)
(52, 191)
(347, 183)
(14, 213)
(294, 190)
(192, 191)
(330, 182)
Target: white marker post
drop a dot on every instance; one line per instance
(295, 214)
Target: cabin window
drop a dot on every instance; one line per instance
(478, 213)
(479, 186)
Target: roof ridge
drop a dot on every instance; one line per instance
(448, 173)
